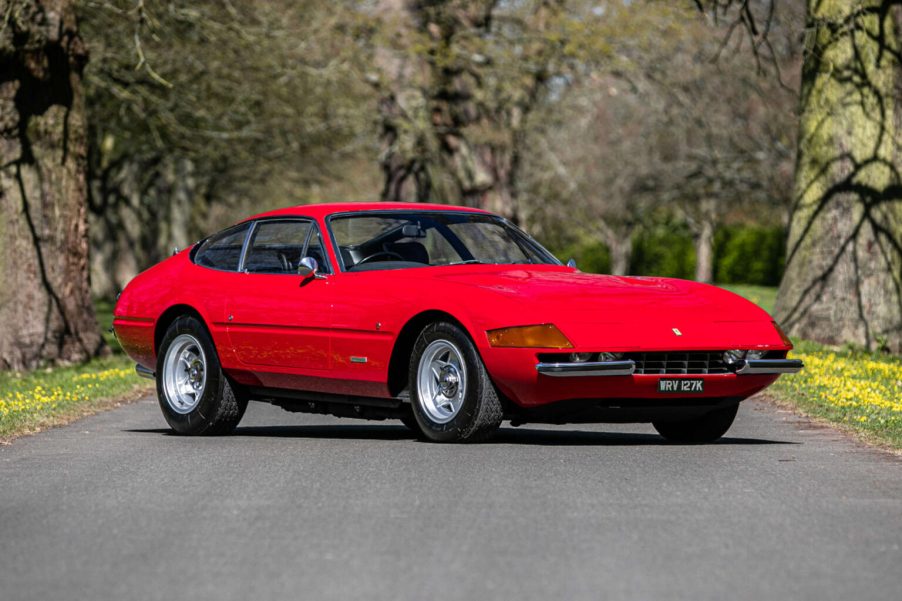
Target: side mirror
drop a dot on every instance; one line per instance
(572, 263)
(307, 268)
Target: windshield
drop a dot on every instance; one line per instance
(395, 240)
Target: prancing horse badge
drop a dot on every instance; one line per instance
(677, 331)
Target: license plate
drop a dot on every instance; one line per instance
(681, 385)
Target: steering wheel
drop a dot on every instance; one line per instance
(381, 253)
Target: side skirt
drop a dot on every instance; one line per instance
(339, 405)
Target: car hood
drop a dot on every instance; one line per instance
(623, 312)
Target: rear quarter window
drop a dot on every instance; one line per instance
(222, 250)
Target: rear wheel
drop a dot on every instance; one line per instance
(706, 428)
(194, 394)
(452, 397)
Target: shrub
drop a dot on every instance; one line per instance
(749, 255)
(742, 254)
(590, 256)
(665, 250)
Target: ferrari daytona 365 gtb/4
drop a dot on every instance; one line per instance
(450, 319)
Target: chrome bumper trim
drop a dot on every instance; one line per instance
(770, 366)
(596, 368)
(144, 372)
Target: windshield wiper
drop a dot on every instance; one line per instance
(468, 262)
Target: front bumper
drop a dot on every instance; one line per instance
(770, 366)
(529, 380)
(587, 369)
(627, 367)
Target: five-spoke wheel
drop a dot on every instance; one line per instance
(452, 398)
(441, 381)
(184, 373)
(196, 397)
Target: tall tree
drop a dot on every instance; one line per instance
(456, 91)
(234, 107)
(843, 280)
(659, 128)
(45, 302)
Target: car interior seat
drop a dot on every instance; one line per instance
(413, 252)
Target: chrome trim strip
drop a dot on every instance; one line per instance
(595, 368)
(144, 372)
(770, 366)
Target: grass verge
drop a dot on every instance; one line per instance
(33, 401)
(857, 390)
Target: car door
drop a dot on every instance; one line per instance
(279, 319)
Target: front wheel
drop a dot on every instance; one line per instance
(194, 394)
(707, 428)
(452, 397)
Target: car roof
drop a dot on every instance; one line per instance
(325, 209)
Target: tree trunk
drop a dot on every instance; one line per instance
(704, 252)
(45, 302)
(621, 255)
(843, 279)
(447, 135)
(619, 240)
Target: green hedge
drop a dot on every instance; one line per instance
(591, 257)
(742, 254)
(749, 255)
(666, 249)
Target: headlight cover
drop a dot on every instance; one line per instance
(544, 335)
(733, 357)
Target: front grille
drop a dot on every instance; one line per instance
(669, 362)
(679, 363)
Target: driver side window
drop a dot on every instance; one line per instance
(277, 247)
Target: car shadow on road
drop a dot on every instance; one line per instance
(505, 436)
(532, 436)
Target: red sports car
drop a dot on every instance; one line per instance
(450, 319)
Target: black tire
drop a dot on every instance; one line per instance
(707, 428)
(221, 405)
(480, 412)
(410, 422)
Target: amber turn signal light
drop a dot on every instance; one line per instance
(545, 335)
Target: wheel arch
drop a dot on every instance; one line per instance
(170, 315)
(407, 337)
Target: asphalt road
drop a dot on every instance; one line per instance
(307, 508)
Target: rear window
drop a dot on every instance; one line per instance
(223, 250)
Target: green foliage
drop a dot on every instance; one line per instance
(590, 256)
(745, 255)
(749, 255)
(665, 249)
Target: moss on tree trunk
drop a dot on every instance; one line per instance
(45, 303)
(843, 279)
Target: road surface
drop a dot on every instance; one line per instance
(307, 508)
